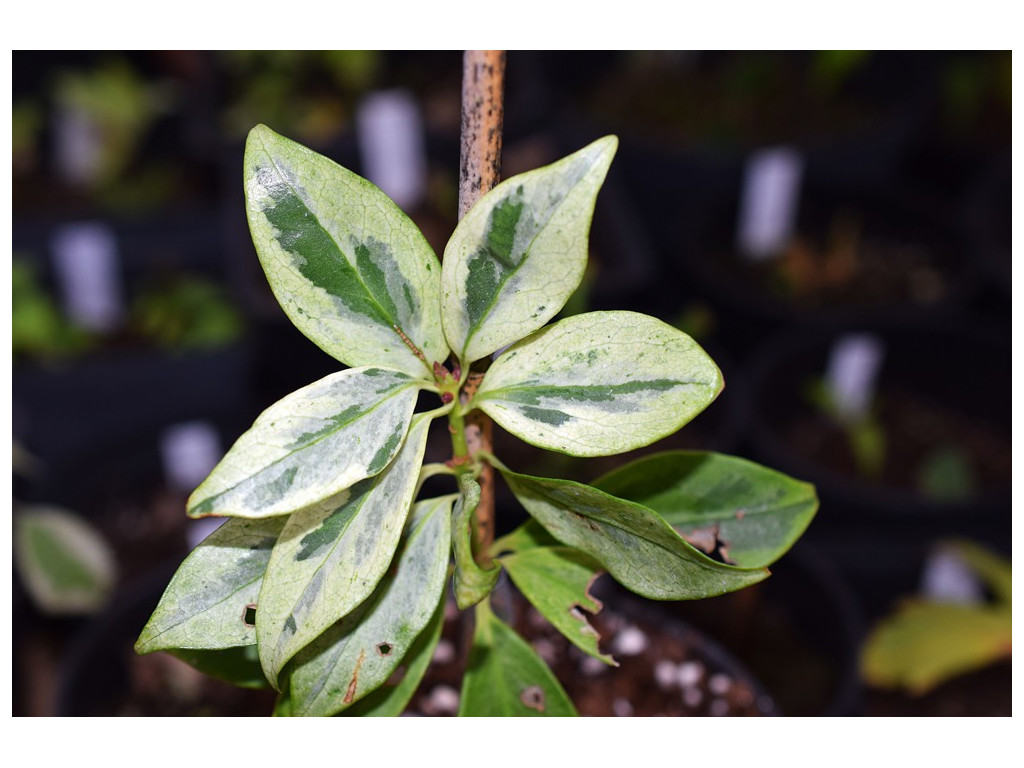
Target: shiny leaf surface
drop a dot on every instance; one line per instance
(311, 445)
(599, 383)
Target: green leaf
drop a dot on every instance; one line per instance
(639, 549)
(556, 581)
(527, 536)
(926, 643)
(752, 513)
(391, 700)
(330, 557)
(239, 665)
(599, 383)
(359, 653)
(472, 583)
(351, 271)
(67, 567)
(520, 252)
(208, 602)
(505, 677)
(311, 445)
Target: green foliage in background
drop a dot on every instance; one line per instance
(925, 643)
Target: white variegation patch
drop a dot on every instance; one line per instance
(206, 603)
(66, 565)
(599, 383)
(330, 557)
(311, 444)
(341, 211)
(504, 276)
(359, 653)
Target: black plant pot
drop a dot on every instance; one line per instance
(72, 416)
(940, 384)
(799, 632)
(911, 258)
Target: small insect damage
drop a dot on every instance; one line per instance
(709, 540)
(533, 697)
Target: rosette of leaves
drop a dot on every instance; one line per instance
(328, 580)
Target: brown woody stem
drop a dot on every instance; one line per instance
(483, 113)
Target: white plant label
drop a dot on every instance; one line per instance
(852, 374)
(87, 266)
(391, 146)
(946, 578)
(769, 202)
(189, 451)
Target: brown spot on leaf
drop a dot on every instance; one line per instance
(533, 697)
(350, 694)
(740, 514)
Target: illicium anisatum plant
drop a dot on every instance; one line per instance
(330, 574)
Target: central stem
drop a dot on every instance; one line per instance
(483, 112)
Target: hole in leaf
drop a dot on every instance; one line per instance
(249, 615)
(533, 697)
(384, 649)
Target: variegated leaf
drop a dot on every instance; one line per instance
(66, 565)
(391, 700)
(520, 252)
(752, 514)
(472, 583)
(330, 557)
(599, 383)
(556, 581)
(505, 677)
(359, 653)
(311, 445)
(639, 549)
(207, 603)
(351, 271)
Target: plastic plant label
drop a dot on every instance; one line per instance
(852, 373)
(391, 146)
(86, 263)
(947, 578)
(78, 146)
(189, 451)
(769, 203)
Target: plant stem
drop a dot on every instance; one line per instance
(483, 114)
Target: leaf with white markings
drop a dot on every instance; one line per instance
(752, 514)
(391, 700)
(599, 383)
(359, 653)
(311, 445)
(517, 256)
(206, 604)
(639, 549)
(505, 677)
(66, 565)
(331, 557)
(351, 271)
(556, 581)
(472, 583)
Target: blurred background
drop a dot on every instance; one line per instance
(834, 227)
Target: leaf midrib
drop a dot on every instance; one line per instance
(395, 325)
(313, 442)
(473, 329)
